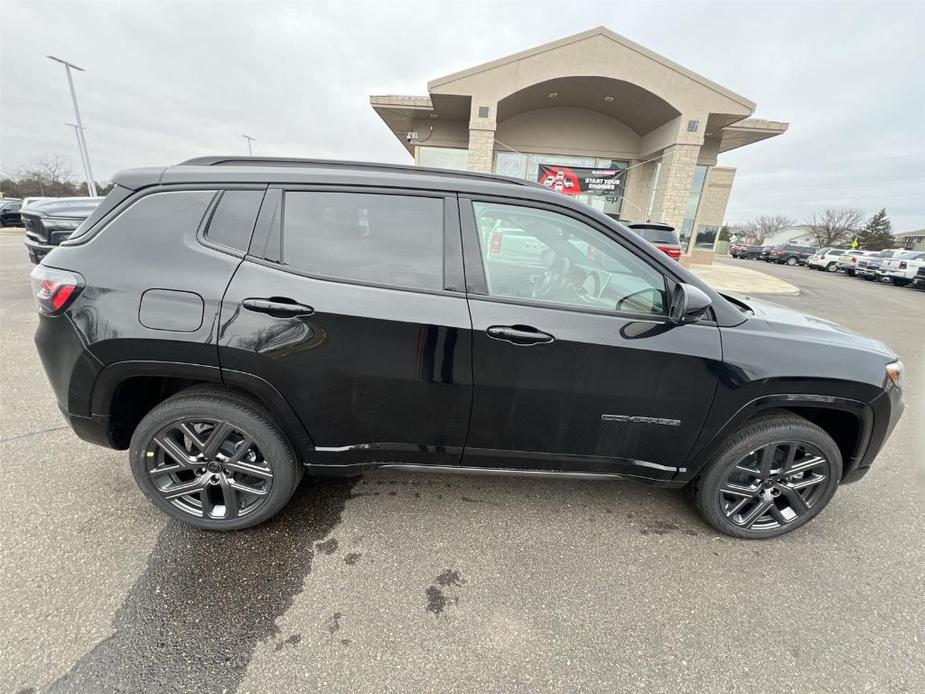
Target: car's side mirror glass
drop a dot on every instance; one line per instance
(688, 304)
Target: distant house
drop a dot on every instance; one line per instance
(910, 240)
(797, 235)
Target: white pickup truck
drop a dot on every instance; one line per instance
(902, 267)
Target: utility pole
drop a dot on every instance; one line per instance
(83, 161)
(249, 140)
(81, 140)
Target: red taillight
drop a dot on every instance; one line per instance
(854, 259)
(495, 244)
(672, 251)
(54, 289)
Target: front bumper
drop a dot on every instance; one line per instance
(37, 250)
(887, 408)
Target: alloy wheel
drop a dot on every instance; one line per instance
(208, 469)
(774, 485)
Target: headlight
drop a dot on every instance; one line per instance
(894, 371)
(61, 224)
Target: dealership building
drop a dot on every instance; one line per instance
(602, 106)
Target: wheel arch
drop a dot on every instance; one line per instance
(125, 392)
(849, 422)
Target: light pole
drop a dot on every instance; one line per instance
(81, 140)
(249, 140)
(80, 149)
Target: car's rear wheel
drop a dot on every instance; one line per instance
(769, 478)
(900, 281)
(832, 267)
(213, 459)
(791, 261)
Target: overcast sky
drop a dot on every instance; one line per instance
(165, 81)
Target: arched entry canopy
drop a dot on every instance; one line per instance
(627, 103)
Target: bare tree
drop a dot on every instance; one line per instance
(50, 175)
(835, 225)
(765, 225)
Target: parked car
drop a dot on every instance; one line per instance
(50, 222)
(903, 267)
(868, 267)
(919, 281)
(9, 212)
(233, 327)
(750, 252)
(737, 248)
(847, 261)
(663, 236)
(790, 254)
(827, 261)
(28, 202)
(766, 252)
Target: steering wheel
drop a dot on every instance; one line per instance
(639, 308)
(553, 277)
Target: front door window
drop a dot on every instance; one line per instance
(540, 256)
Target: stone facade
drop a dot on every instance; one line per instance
(674, 184)
(715, 197)
(481, 150)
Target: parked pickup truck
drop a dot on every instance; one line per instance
(848, 261)
(869, 267)
(902, 268)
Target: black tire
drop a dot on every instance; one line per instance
(831, 267)
(849, 272)
(774, 433)
(268, 468)
(791, 261)
(900, 281)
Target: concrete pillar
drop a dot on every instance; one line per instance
(674, 184)
(481, 134)
(639, 180)
(481, 149)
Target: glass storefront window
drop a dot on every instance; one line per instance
(443, 157)
(527, 166)
(693, 202)
(706, 236)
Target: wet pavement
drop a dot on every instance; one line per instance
(408, 582)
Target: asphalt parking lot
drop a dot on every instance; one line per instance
(396, 582)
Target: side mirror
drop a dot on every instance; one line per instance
(688, 304)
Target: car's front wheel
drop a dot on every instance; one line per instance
(770, 477)
(213, 459)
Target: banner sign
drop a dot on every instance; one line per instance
(574, 180)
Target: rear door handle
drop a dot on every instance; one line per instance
(278, 307)
(523, 335)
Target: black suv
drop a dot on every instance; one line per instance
(9, 212)
(790, 254)
(237, 322)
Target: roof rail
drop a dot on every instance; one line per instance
(339, 164)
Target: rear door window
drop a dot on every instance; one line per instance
(393, 240)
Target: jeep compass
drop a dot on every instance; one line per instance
(236, 322)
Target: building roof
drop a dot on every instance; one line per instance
(906, 234)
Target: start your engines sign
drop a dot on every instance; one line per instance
(575, 180)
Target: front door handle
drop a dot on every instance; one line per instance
(523, 335)
(278, 307)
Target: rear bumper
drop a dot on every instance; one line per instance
(71, 370)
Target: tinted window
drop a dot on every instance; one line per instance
(835, 252)
(234, 217)
(382, 239)
(542, 256)
(659, 235)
